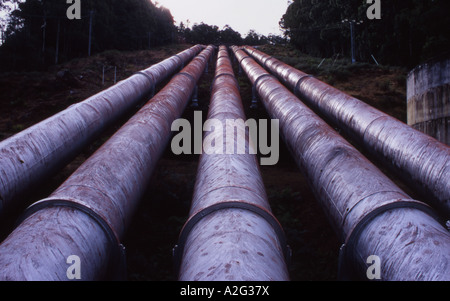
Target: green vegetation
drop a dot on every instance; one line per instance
(38, 34)
(37, 27)
(409, 31)
(165, 207)
(206, 34)
(121, 39)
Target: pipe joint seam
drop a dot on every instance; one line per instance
(361, 202)
(178, 250)
(248, 48)
(345, 271)
(225, 74)
(266, 60)
(194, 81)
(150, 78)
(242, 59)
(116, 270)
(254, 88)
(206, 58)
(261, 77)
(223, 57)
(255, 85)
(369, 125)
(297, 85)
(181, 61)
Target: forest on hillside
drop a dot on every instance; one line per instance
(37, 33)
(408, 32)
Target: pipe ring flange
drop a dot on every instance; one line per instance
(225, 74)
(150, 78)
(194, 82)
(297, 85)
(345, 271)
(255, 85)
(242, 59)
(117, 266)
(204, 57)
(178, 250)
(266, 60)
(254, 91)
(181, 60)
(223, 57)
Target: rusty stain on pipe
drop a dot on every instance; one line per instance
(89, 213)
(29, 157)
(231, 233)
(419, 159)
(370, 214)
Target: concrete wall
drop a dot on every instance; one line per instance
(428, 94)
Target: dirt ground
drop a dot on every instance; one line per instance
(27, 98)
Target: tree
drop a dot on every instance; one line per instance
(203, 34)
(230, 37)
(34, 29)
(252, 38)
(276, 40)
(409, 32)
(209, 34)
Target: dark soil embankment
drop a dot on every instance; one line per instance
(27, 98)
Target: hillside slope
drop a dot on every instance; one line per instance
(27, 98)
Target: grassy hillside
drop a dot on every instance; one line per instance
(27, 98)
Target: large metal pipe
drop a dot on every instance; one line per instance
(370, 214)
(88, 214)
(231, 233)
(419, 159)
(29, 157)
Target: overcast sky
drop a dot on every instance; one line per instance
(242, 15)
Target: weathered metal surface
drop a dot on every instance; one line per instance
(39, 248)
(417, 241)
(105, 191)
(421, 160)
(370, 214)
(29, 157)
(230, 243)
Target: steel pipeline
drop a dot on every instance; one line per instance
(31, 156)
(422, 161)
(231, 233)
(370, 214)
(86, 217)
